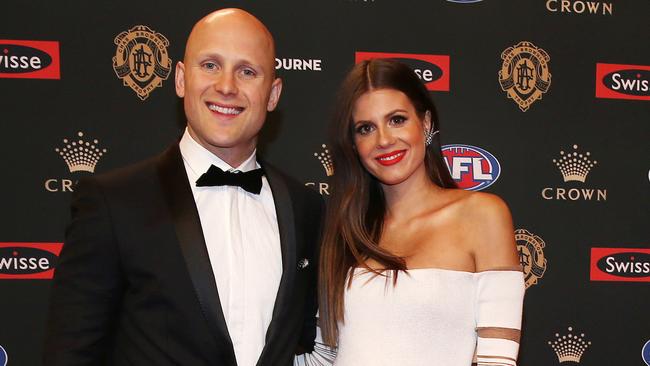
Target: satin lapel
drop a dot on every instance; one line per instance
(187, 224)
(287, 229)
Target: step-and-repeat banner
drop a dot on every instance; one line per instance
(545, 103)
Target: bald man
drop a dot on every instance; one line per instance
(205, 254)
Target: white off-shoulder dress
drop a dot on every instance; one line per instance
(428, 318)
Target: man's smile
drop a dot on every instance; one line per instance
(224, 109)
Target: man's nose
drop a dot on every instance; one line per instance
(226, 83)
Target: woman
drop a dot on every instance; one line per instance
(413, 271)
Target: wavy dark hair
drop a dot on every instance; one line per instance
(356, 209)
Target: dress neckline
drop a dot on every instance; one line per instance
(436, 269)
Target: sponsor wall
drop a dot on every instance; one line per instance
(545, 103)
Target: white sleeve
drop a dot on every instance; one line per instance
(499, 297)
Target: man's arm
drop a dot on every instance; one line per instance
(87, 285)
(306, 341)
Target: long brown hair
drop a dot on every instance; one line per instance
(356, 208)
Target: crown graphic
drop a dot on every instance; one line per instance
(325, 160)
(574, 166)
(80, 155)
(569, 347)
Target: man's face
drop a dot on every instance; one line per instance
(228, 84)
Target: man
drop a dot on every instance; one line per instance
(165, 263)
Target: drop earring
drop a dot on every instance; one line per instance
(428, 136)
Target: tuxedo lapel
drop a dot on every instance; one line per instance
(286, 226)
(187, 224)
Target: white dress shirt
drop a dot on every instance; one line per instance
(243, 242)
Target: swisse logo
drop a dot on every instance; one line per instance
(298, 64)
(471, 167)
(28, 260)
(3, 357)
(622, 81)
(29, 59)
(620, 264)
(433, 70)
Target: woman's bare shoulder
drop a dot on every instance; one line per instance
(488, 231)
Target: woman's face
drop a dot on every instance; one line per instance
(389, 135)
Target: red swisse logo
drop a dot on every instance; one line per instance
(622, 81)
(29, 59)
(433, 70)
(620, 264)
(20, 261)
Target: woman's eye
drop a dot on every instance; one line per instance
(397, 120)
(364, 129)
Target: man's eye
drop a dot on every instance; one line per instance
(397, 120)
(209, 65)
(248, 72)
(364, 129)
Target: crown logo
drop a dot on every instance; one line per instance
(569, 347)
(574, 166)
(325, 160)
(80, 155)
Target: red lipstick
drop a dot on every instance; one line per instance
(391, 158)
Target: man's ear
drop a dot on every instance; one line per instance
(179, 79)
(276, 90)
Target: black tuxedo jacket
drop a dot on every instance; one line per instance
(134, 285)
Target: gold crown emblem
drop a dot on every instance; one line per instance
(325, 160)
(574, 166)
(81, 155)
(569, 347)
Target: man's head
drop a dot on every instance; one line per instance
(227, 79)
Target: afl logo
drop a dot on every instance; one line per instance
(3, 357)
(471, 167)
(433, 70)
(28, 260)
(29, 59)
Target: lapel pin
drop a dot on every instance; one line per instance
(303, 263)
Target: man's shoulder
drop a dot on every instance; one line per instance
(296, 189)
(140, 173)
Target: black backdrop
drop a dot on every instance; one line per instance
(558, 224)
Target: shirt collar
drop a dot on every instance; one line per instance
(199, 159)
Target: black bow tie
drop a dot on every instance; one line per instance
(251, 181)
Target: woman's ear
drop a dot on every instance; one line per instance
(427, 121)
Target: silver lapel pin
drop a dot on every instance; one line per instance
(303, 263)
